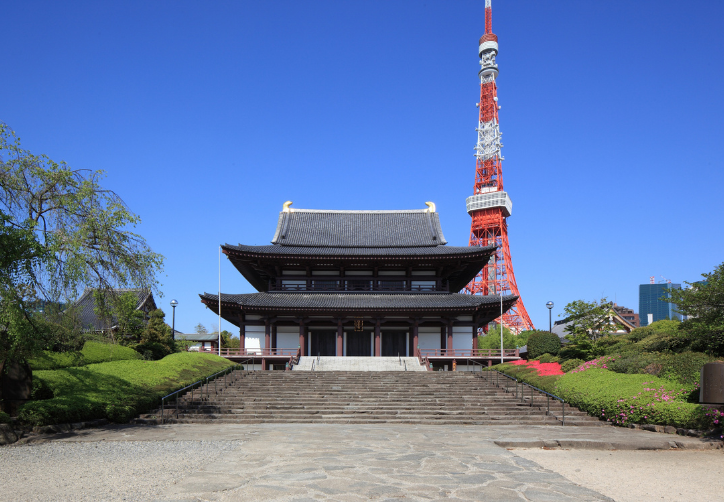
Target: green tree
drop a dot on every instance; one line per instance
(543, 342)
(589, 322)
(703, 304)
(61, 232)
(492, 339)
(200, 329)
(156, 339)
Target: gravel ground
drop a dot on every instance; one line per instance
(632, 476)
(105, 470)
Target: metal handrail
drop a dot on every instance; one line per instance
(193, 385)
(532, 387)
(468, 360)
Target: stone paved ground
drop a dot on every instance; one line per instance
(325, 462)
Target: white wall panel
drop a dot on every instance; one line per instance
(287, 337)
(428, 337)
(254, 338)
(462, 337)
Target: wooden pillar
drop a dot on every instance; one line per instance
(267, 337)
(378, 351)
(413, 349)
(340, 338)
(302, 338)
(274, 335)
(475, 339)
(242, 337)
(263, 363)
(450, 335)
(443, 338)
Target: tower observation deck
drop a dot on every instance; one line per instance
(490, 206)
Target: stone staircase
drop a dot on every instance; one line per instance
(331, 363)
(335, 397)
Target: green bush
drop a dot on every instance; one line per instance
(625, 399)
(152, 351)
(98, 352)
(117, 390)
(543, 342)
(683, 367)
(548, 358)
(4, 418)
(54, 360)
(528, 375)
(92, 353)
(571, 364)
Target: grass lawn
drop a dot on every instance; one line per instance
(117, 390)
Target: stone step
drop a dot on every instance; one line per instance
(425, 397)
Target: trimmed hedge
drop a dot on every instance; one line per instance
(620, 398)
(543, 342)
(117, 390)
(624, 399)
(92, 353)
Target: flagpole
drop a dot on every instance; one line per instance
(219, 299)
(500, 324)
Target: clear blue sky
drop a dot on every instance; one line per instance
(207, 116)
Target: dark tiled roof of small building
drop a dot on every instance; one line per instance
(86, 307)
(362, 251)
(359, 229)
(197, 337)
(366, 301)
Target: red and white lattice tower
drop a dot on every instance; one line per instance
(490, 206)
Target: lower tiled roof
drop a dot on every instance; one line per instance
(365, 301)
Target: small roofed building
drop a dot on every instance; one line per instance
(202, 342)
(358, 283)
(88, 312)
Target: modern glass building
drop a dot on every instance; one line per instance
(651, 306)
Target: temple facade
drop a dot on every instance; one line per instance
(357, 283)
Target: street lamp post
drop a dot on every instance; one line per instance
(550, 319)
(173, 317)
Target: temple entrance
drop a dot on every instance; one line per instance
(358, 343)
(324, 343)
(394, 343)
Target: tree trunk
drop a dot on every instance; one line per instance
(16, 385)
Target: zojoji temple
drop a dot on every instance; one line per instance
(359, 283)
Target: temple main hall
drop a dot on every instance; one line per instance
(358, 283)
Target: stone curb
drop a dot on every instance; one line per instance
(20, 437)
(584, 444)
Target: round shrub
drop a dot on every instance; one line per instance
(548, 358)
(543, 342)
(571, 364)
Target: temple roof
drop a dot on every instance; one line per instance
(364, 302)
(432, 251)
(358, 229)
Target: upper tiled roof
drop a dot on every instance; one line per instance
(368, 301)
(363, 251)
(86, 307)
(359, 229)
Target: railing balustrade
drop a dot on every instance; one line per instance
(265, 352)
(469, 353)
(354, 285)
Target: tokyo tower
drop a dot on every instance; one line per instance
(489, 205)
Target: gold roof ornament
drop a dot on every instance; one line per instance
(286, 208)
(430, 207)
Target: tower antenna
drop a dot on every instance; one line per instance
(490, 206)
